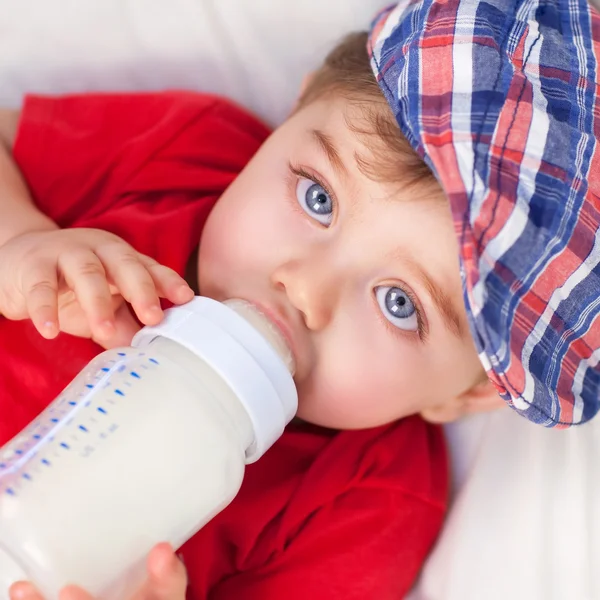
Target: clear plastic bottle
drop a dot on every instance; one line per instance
(146, 444)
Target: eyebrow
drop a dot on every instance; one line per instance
(440, 298)
(327, 145)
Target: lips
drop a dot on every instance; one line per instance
(281, 325)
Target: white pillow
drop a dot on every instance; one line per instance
(254, 51)
(525, 523)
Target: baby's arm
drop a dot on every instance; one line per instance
(73, 280)
(18, 213)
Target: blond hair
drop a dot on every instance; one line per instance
(346, 72)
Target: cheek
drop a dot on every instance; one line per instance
(363, 382)
(240, 234)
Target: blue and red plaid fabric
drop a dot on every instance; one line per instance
(501, 99)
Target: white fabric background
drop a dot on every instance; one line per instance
(255, 51)
(525, 522)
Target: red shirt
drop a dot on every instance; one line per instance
(324, 514)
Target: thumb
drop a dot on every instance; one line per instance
(167, 578)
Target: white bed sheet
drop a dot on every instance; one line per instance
(254, 51)
(525, 522)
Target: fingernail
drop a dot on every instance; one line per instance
(154, 313)
(185, 290)
(22, 590)
(106, 329)
(49, 328)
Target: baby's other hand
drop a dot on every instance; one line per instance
(80, 281)
(167, 580)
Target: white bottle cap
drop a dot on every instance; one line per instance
(242, 356)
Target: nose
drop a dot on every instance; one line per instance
(312, 289)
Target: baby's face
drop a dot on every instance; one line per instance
(362, 277)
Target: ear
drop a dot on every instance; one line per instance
(305, 83)
(482, 397)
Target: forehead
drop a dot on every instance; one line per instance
(362, 140)
(346, 121)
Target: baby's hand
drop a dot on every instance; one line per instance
(167, 580)
(79, 281)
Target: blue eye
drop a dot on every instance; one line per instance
(397, 307)
(314, 200)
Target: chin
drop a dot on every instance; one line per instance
(322, 419)
(336, 418)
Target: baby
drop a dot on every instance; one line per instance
(335, 228)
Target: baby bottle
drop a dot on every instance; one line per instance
(147, 444)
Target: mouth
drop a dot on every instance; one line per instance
(282, 328)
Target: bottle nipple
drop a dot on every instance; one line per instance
(266, 328)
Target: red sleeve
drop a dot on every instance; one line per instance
(146, 167)
(365, 544)
(84, 154)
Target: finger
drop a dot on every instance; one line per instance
(71, 318)
(169, 284)
(41, 298)
(167, 578)
(23, 590)
(125, 328)
(84, 274)
(131, 277)
(72, 592)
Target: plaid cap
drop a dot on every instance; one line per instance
(501, 99)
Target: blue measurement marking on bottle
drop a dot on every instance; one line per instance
(63, 413)
(25, 455)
